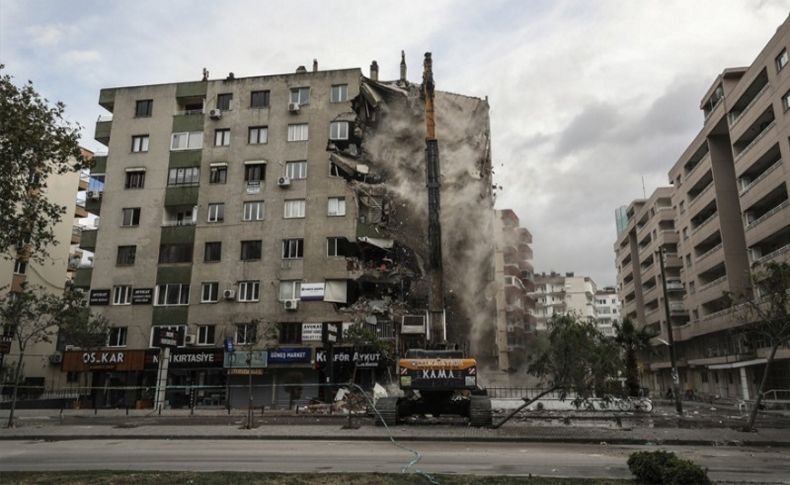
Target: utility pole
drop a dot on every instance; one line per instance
(670, 338)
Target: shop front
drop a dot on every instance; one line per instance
(362, 365)
(195, 376)
(292, 378)
(114, 377)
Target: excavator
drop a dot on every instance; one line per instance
(436, 380)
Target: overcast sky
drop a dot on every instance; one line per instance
(587, 97)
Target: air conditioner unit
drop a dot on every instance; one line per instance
(190, 339)
(215, 114)
(93, 195)
(291, 305)
(228, 294)
(293, 107)
(283, 181)
(56, 359)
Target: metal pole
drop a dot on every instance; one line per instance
(670, 338)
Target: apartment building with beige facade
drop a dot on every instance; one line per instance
(560, 294)
(726, 210)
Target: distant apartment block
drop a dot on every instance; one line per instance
(726, 209)
(607, 310)
(558, 294)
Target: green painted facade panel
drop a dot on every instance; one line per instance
(193, 89)
(82, 277)
(177, 234)
(185, 158)
(93, 206)
(103, 132)
(99, 164)
(88, 239)
(190, 122)
(170, 315)
(177, 273)
(175, 196)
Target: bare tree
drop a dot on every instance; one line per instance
(766, 313)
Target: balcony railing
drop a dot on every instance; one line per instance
(190, 112)
(104, 118)
(713, 283)
(699, 163)
(179, 223)
(708, 253)
(774, 254)
(706, 221)
(768, 214)
(733, 119)
(754, 142)
(713, 315)
(760, 177)
(699, 196)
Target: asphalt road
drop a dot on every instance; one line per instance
(562, 460)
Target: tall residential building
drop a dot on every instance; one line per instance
(41, 365)
(729, 208)
(607, 310)
(291, 203)
(514, 281)
(557, 294)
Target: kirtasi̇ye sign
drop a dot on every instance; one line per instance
(362, 358)
(187, 358)
(114, 360)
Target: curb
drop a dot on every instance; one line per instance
(470, 439)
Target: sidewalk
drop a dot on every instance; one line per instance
(443, 432)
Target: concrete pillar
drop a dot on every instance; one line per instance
(744, 384)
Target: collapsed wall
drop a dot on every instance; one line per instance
(384, 163)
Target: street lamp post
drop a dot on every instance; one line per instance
(671, 338)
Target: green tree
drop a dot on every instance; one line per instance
(36, 141)
(35, 315)
(632, 341)
(572, 357)
(766, 313)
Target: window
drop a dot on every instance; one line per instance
(258, 135)
(175, 253)
(224, 100)
(126, 255)
(338, 130)
(184, 176)
(250, 250)
(339, 93)
(786, 101)
(290, 290)
(781, 60)
(246, 333)
(135, 179)
(20, 266)
(209, 292)
(259, 99)
(336, 246)
(130, 217)
(334, 170)
(216, 212)
(143, 108)
(300, 95)
(249, 290)
(212, 252)
(293, 209)
(117, 337)
(192, 140)
(253, 211)
(336, 206)
(218, 174)
(290, 333)
(205, 335)
(296, 170)
(298, 132)
(139, 143)
(122, 295)
(293, 248)
(172, 294)
(254, 172)
(222, 137)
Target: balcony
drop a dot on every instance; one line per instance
(177, 234)
(708, 253)
(107, 99)
(773, 254)
(736, 114)
(188, 120)
(195, 89)
(762, 126)
(745, 188)
(181, 195)
(82, 277)
(76, 232)
(702, 224)
(88, 239)
(677, 308)
(103, 128)
(767, 215)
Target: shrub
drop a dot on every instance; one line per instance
(666, 468)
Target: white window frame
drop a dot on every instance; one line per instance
(132, 211)
(222, 137)
(782, 60)
(140, 143)
(134, 175)
(212, 287)
(193, 140)
(333, 242)
(216, 212)
(20, 267)
(202, 334)
(298, 132)
(249, 291)
(338, 93)
(338, 130)
(786, 101)
(336, 206)
(122, 333)
(298, 93)
(290, 248)
(334, 170)
(245, 326)
(181, 288)
(194, 176)
(261, 135)
(294, 209)
(296, 169)
(289, 290)
(253, 210)
(177, 328)
(122, 294)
